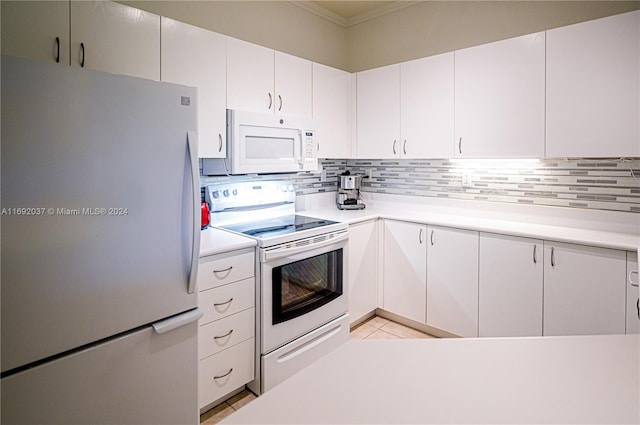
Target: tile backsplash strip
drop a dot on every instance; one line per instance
(602, 184)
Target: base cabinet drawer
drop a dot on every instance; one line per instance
(225, 371)
(224, 333)
(226, 300)
(225, 268)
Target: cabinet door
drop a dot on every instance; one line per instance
(363, 255)
(293, 85)
(593, 79)
(633, 296)
(405, 269)
(378, 112)
(452, 280)
(510, 286)
(116, 38)
(584, 290)
(196, 57)
(250, 76)
(499, 98)
(331, 111)
(36, 29)
(426, 107)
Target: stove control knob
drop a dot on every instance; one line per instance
(235, 192)
(290, 188)
(216, 193)
(225, 193)
(283, 188)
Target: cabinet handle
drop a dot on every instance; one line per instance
(420, 236)
(280, 99)
(553, 257)
(460, 145)
(638, 307)
(224, 336)
(404, 146)
(535, 256)
(631, 282)
(431, 238)
(270, 100)
(219, 142)
(394, 147)
(225, 375)
(228, 269)
(57, 50)
(81, 55)
(224, 303)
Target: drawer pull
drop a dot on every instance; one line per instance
(224, 303)
(225, 375)
(224, 336)
(227, 270)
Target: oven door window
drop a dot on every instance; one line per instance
(306, 285)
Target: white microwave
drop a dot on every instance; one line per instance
(265, 143)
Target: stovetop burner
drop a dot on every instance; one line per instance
(277, 226)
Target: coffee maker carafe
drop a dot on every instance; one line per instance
(348, 197)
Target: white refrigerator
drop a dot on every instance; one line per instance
(99, 245)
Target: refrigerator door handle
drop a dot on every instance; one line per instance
(192, 147)
(178, 321)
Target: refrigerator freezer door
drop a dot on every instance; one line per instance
(98, 206)
(140, 378)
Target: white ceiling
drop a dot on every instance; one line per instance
(348, 9)
(351, 12)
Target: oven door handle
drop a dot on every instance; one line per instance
(267, 255)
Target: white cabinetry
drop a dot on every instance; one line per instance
(262, 80)
(112, 37)
(593, 88)
(331, 111)
(196, 57)
(426, 107)
(500, 98)
(452, 280)
(378, 112)
(36, 29)
(405, 269)
(633, 295)
(510, 286)
(363, 260)
(226, 338)
(584, 290)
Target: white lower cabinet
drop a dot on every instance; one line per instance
(363, 260)
(510, 286)
(405, 269)
(584, 290)
(633, 294)
(226, 334)
(452, 280)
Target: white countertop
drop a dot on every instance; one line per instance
(530, 230)
(216, 241)
(579, 379)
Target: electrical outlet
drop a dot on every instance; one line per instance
(467, 178)
(323, 176)
(369, 172)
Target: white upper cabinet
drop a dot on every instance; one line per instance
(196, 57)
(36, 29)
(426, 107)
(593, 88)
(378, 113)
(293, 85)
(331, 111)
(500, 99)
(262, 80)
(112, 37)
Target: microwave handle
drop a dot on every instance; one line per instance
(301, 150)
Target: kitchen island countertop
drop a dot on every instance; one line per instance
(577, 379)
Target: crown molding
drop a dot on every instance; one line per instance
(354, 20)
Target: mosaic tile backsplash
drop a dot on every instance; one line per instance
(603, 184)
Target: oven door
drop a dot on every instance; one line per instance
(304, 285)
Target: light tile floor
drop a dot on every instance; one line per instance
(374, 328)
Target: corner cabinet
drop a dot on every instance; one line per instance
(584, 290)
(363, 260)
(263, 80)
(197, 57)
(226, 337)
(500, 99)
(510, 286)
(331, 111)
(593, 88)
(404, 278)
(452, 280)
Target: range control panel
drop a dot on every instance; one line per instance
(243, 195)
